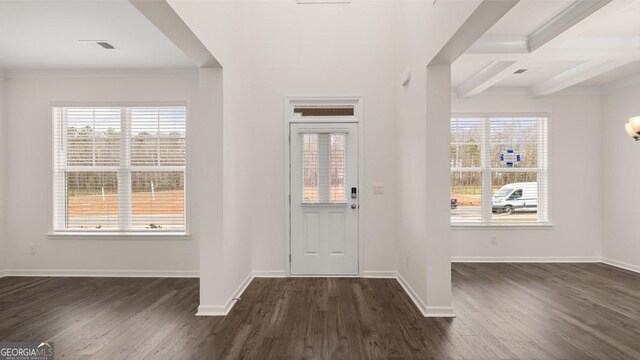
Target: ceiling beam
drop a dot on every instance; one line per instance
(486, 78)
(162, 16)
(559, 54)
(568, 19)
(576, 75)
(508, 53)
(499, 44)
(481, 20)
(564, 21)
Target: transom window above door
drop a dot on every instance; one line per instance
(119, 169)
(499, 170)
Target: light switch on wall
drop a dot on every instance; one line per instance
(378, 188)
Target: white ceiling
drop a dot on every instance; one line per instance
(537, 71)
(598, 50)
(44, 35)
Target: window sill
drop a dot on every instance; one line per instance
(536, 226)
(79, 235)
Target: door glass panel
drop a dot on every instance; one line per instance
(310, 165)
(324, 168)
(337, 170)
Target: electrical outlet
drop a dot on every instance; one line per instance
(32, 249)
(494, 240)
(406, 260)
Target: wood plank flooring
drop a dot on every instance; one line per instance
(504, 311)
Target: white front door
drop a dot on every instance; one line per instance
(324, 198)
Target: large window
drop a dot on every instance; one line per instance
(499, 170)
(119, 169)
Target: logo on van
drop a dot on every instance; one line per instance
(510, 158)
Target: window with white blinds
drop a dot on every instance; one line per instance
(499, 170)
(119, 169)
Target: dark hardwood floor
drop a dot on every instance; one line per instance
(504, 311)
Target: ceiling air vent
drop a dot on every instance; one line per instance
(324, 1)
(98, 44)
(520, 71)
(105, 45)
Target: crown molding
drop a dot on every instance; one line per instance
(621, 84)
(98, 73)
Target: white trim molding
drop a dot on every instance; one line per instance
(269, 274)
(100, 73)
(427, 311)
(214, 310)
(102, 273)
(621, 265)
(380, 274)
(621, 84)
(156, 235)
(493, 226)
(439, 311)
(525, 259)
(412, 294)
(290, 102)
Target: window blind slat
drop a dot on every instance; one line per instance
(104, 156)
(499, 169)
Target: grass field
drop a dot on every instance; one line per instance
(336, 194)
(468, 199)
(143, 203)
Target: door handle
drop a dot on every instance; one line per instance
(353, 206)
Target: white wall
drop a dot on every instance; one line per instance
(620, 178)
(322, 50)
(3, 153)
(226, 263)
(29, 159)
(291, 49)
(575, 182)
(423, 29)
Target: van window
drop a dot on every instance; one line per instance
(516, 195)
(503, 192)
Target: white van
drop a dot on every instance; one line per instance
(516, 196)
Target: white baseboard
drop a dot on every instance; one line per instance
(103, 273)
(223, 310)
(374, 274)
(207, 310)
(412, 294)
(439, 311)
(377, 274)
(269, 274)
(525, 259)
(214, 310)
(622, 265)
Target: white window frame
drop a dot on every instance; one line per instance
(486, 171)
(123, 170)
